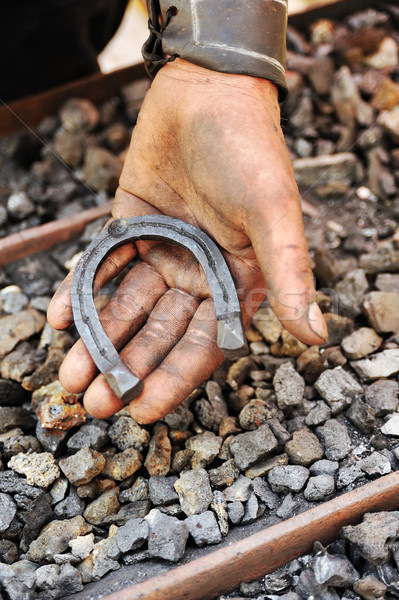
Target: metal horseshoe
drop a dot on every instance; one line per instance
(230, 331)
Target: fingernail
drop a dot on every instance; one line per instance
(316, 321)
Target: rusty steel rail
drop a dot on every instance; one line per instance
(28, 241)
(223, 570)
(29, 111)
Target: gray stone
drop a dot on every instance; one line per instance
(8, 510)
(206, 447)
(382, 310)
(338, 327)
(380, 261)
(58, 490)
(255, 413)
(52, 440)
(361, 415)
(279, 431)
(8, 552)
(387, 282)
(219, 507)
(361, 343)
(217, 402)
(335, 439)
(158, 457)
(162, 490)
(289, 507)
(38, 514)
(304, 448)
(132, 535)
(55, 536)
(25, 571)
(93, 436)
(248, 448)
(82, 545)
(370, 588)
(70, 507)
(17, 328)
(69, 581)
(319, 487)
(204, 528)
(12, 299)
(372, 538)
(262, 490)
(19, 205)
(40, 468)
(180, 418)
(224, 475)
(235, 511)
(324, 467)
(21, 361)
(290, 478)
(12, 395)
(338, 388)
(262, 467)
(375, 464)
(47, 577)
(181, 460)
(123, 464)
(138, 491)
(350, 292)
(79, 115)
(318, 415)
(172, 510)
(334, 570)
(15, 416)
(383, 396)
(194, 490)
(240, 490)
(82, 467)
(333, 173)
(98, 563)
(251, 589)
(348, 475)
(134, 510)
(307, 586)
(289, 386)
(105, 505)
(382, 364)
(126, 433)
(168, 536)
(391, 427)
(253, 510)
(16, 590)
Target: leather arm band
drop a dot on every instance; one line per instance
(229, 36)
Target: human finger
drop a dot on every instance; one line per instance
(146, 351)
(59, 313)
(190, 362)
(275, 227)
(123, 316)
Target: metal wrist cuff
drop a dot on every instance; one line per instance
(229, 36)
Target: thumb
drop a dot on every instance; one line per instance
(276, 231)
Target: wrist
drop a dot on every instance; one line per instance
(191, 73)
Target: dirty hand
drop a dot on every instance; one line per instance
(208, 149)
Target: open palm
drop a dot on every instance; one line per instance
(207, 149)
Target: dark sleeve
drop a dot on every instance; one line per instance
(230, 36)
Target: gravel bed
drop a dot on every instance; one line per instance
(362, 563)
(273, 433)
